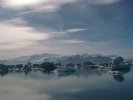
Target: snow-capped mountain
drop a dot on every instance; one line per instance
(75, 59)
(38, 58)
(78, 59)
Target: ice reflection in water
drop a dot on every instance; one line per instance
(82, 85)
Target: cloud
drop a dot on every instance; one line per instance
(13, 36)
(73, 41)
(47, 4)
(36, 5)
(16, 21)
(21, 3)
(105, 1)
(65, 41)
(75, 30)
(69, 26)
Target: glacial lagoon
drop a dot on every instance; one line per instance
(92, 84)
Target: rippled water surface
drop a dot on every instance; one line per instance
(82, 85)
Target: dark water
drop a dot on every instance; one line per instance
(82, 85)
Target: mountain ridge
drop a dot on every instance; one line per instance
(44, 57)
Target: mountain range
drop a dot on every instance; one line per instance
(76, 59)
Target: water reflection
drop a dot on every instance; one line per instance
(3, 73)
(78, 74)
(90, 84)
(120, 77)
(65, 74)
(87, 73)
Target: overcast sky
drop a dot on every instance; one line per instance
(65, 27)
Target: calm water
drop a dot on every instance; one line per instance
(81, 85)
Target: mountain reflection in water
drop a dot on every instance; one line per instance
(90, 84)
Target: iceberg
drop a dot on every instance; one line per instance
(118, 63)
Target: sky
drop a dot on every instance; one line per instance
(65, 27)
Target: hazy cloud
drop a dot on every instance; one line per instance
(37, 26)
(19, 36)
(16, 21)
(105, 1)
(75, 30)
(35, 5)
